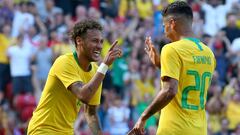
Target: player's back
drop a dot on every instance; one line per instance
(193, 64)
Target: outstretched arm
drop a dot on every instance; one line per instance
(90, 112)
(167, 93)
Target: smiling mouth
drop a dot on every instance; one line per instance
(97, 53)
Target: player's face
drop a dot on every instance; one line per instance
(169, 24)
(93, 45)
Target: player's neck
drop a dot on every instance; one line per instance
(83, 62)
(184, 33)
(187, 34)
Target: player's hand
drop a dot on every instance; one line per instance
(152, 53)
(138, 129)
(113, 53)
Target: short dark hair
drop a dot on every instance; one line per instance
(178, 8)
(80, 29)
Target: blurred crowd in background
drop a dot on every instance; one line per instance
(35, 32)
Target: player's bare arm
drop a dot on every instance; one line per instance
(152, 53)
(85, 92)
(168, 92)
(165, 95)
(90, 112)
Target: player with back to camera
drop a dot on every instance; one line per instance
(74, 80)
(186, 66)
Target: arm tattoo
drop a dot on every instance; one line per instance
(75, 86)
(92, 119)
(85, 92)
(90, 89)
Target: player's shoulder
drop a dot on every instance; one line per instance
(170, 46)
(174, 44)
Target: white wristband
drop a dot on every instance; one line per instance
(103, 68)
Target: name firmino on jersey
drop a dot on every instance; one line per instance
(202, 60)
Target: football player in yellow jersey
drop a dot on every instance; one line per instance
(74, 80)
(187, 66)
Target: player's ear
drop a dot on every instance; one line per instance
(173, 24)
(79, 40)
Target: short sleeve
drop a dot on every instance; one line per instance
(170, 63)
(66, 71)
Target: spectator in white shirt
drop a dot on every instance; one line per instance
(22, 19)
(215, 16)
(20, 58)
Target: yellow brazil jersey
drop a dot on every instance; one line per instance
(58, 107)
(233, 113)
(4, 44)
(192, 63)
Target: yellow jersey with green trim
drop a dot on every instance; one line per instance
(58, 107)
(191, 63)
